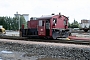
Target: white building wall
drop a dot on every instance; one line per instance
(26, 16)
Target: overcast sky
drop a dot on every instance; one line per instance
(74, 9)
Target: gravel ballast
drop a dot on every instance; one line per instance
(46, 50)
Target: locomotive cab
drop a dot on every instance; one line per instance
(60, 26)
(44, 27)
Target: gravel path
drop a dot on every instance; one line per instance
(29, 50)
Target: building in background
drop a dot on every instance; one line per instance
(85, 25)
(26, 16)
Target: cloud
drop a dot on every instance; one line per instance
(78, 9)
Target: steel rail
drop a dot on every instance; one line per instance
(82, 42)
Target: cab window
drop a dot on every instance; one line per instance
(54, 21)
(41, 23)
(65, 22)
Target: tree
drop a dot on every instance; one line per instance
(75, 24)
(69, 25)
(15, 23)
(9, 23)
(23, 22)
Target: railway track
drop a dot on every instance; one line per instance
(82, 42)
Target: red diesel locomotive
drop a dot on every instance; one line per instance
(50, 26)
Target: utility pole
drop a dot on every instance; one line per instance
(18, 15)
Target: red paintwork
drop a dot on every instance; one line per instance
(60, 22)
(32, 23)
(41, 31)
(22, 26)
(51, 28)
(59, 25)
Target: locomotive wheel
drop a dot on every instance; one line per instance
(85, 30)
(54, 35)
(70, 34)
(67, 34)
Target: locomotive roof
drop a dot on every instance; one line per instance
(46, 17)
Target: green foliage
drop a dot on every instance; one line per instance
(69, 25)
(23, 22)
(12, 23)
(75, 24)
